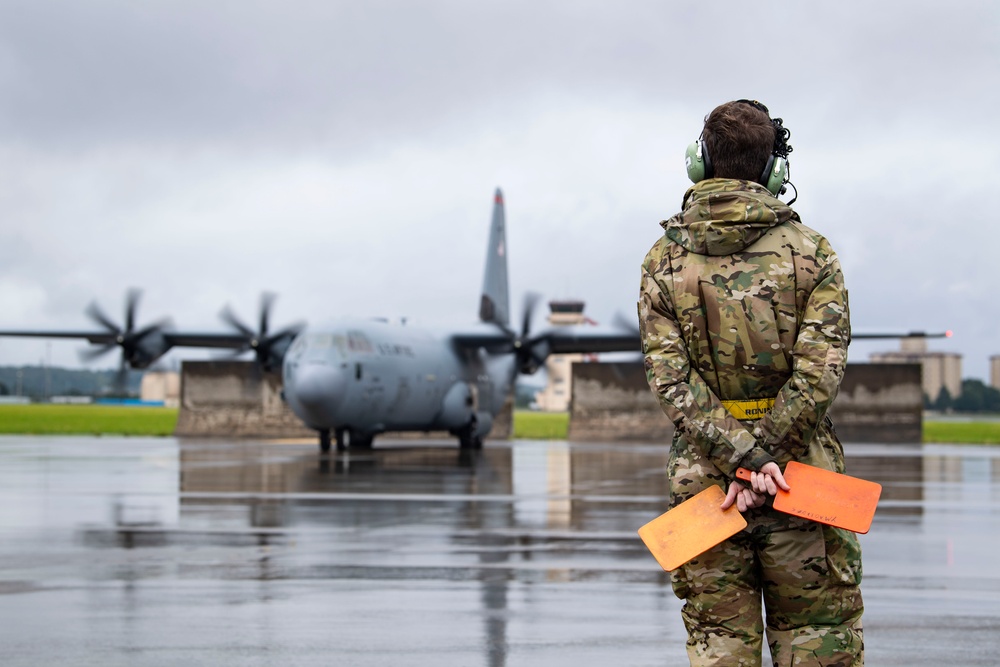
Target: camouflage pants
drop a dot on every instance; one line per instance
(807, 576)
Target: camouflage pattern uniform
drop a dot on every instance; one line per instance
(742, 301)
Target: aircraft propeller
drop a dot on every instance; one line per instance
(128, 338)
(268, 348)
(531, 352)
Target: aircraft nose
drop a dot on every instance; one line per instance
(318, 389)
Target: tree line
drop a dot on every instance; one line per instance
(976, 396)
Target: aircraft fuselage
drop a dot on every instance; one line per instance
(369, 377)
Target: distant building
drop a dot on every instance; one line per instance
(161, 386)
(939, 369)
(995, 371)
(559, 367)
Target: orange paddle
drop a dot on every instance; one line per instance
(826, 497)
(691, 528)
(698, 524)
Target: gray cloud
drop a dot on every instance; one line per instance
(344, 154)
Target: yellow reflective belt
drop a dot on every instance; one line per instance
(754, 408)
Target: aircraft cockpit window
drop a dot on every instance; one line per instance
(357, 341)
(321, 341)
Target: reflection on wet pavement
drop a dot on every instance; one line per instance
(160, 551)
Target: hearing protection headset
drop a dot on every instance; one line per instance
(775, 174)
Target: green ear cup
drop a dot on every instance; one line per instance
(695, 162)
(699, 167)
(775, 174)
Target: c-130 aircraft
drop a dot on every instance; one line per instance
(355, 380)
(360, 379)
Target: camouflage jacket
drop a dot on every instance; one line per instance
(740, 301)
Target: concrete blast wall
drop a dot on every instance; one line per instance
(880, 403)
(877, 403)
(611, 402)
(235, 399)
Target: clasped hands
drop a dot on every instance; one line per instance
(764, 483)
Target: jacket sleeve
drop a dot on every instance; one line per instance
(819, 357)
(683, 394)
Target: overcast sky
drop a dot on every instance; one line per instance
(344, 154)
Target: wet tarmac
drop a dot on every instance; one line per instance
(125, 551)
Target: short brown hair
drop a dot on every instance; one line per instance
(739, 139)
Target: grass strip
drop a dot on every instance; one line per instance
(46, 419)
(963, 433)
(540, 425)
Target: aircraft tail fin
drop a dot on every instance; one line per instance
(494, 306)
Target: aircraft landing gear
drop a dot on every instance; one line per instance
(324, 441)
(468, 438)
(353, 439)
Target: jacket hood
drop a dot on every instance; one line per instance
(720, 216)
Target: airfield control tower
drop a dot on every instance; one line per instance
(559, 367)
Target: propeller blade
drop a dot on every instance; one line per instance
(530, 301)
(90, 354)
(230, 318)
(149, 328)
(290, 330)
(121, 376)
(135, 350)
(267, 348)
(539, 350)
(95, 313)
(131, 304)
(266, 302)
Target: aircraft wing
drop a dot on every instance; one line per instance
(214, 340)
(559, 340)
(589, 339)
(96, 337)
(172, 338)
(493, 339)
(141, 348)
(585, 339)
(912, 334)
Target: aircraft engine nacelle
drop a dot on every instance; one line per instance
(457, 407)
(146, 349)
(484, 423)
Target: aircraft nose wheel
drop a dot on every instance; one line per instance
(349, 438)
(324, 441)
